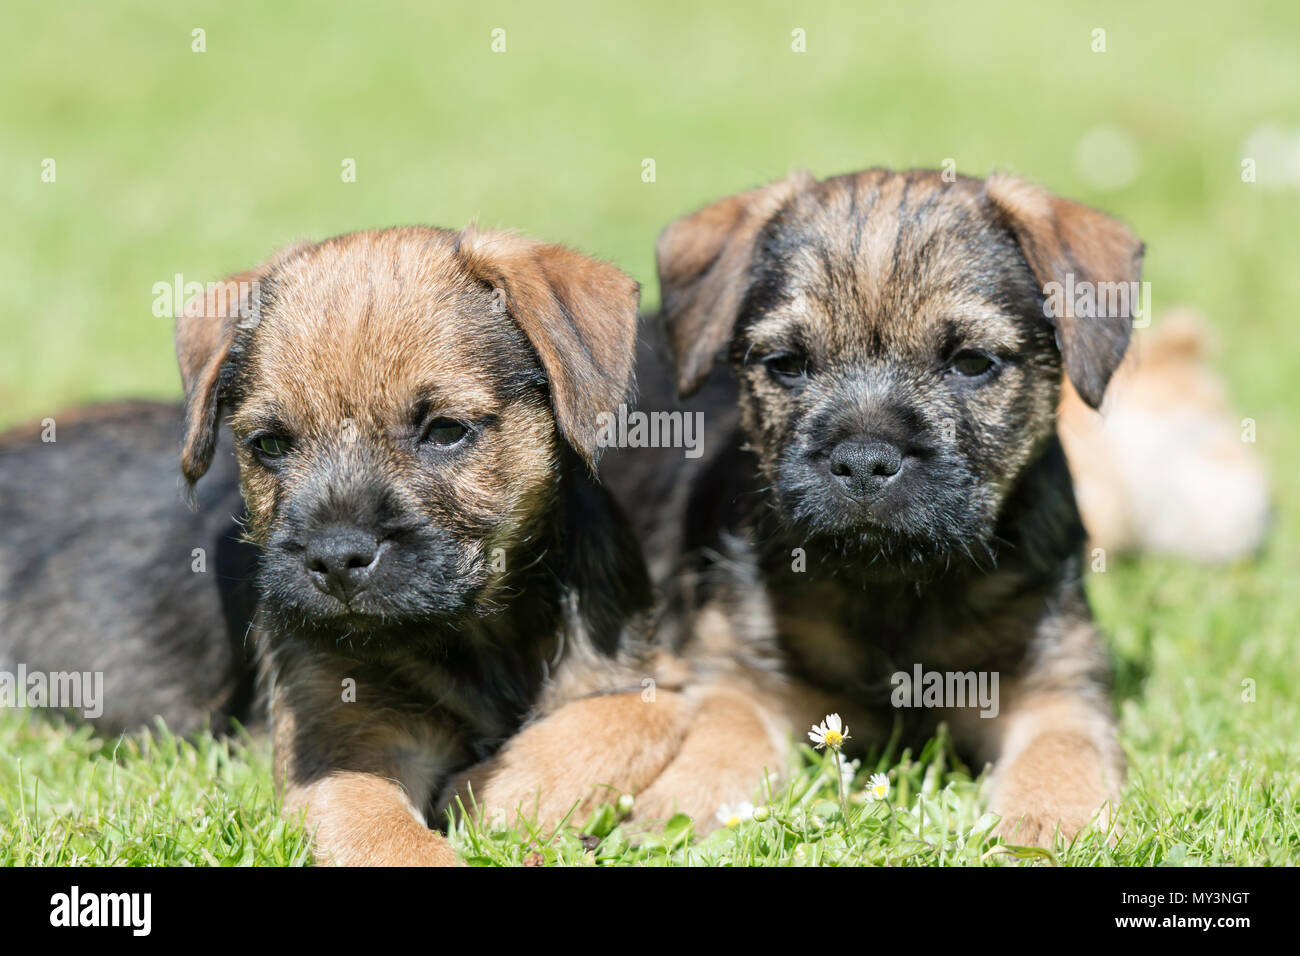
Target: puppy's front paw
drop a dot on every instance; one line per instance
(404, 848)
(525, 784)
(361, 819)
(1055, 785)
(704, 776)
(586, 753)
(1030, 825)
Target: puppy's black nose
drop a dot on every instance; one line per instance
(864, 468)
(340, 560)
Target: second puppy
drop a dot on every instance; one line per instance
(414, 412)
(892, 504)
(881, 494)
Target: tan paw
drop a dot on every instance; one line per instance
(1036, 815)
(587, 753)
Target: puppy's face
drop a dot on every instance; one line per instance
(395, 425)
(393, 432)
(895, 377)
(896, 367)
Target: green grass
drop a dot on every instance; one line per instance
(69, 798)
(170, 161)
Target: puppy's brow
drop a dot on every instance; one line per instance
(267, 419)
(775, 328)
(993, 318)
(461, 399)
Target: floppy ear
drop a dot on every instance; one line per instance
(703, 261)
(578, 313)
(205, 331)
(1061, 238)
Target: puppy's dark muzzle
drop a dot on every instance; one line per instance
(340, 561)
(864, 469)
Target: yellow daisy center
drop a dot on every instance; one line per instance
(833, 738)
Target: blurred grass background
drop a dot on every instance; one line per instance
(171, 161)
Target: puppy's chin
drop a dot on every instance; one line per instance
(416, 596)
(938, 517)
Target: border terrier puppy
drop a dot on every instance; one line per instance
(882, 489)
(415, 417)
(104, 570)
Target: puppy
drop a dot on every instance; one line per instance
(894, 488)
(415, 418)
(105, 570)
(882, 490)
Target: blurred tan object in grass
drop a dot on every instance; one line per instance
(1166, 467)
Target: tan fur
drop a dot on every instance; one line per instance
(1164, 467)
(1058, 768)
(203, 335)
(588, 752)
(686, 753)
(733, 746)
(1099, 488)
(360, 819)
(588, 362)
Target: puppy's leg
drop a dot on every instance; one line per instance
(362, 773)
(1054, 743)
(361, 819)
(570, 757)
(1059, 764)
(731, 742)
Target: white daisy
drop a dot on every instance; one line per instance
(878, 787)
(734, 814)
(831, 732)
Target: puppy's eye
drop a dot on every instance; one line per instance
(445, 432)
(271, 447)
(972, 363)
(788, 368)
